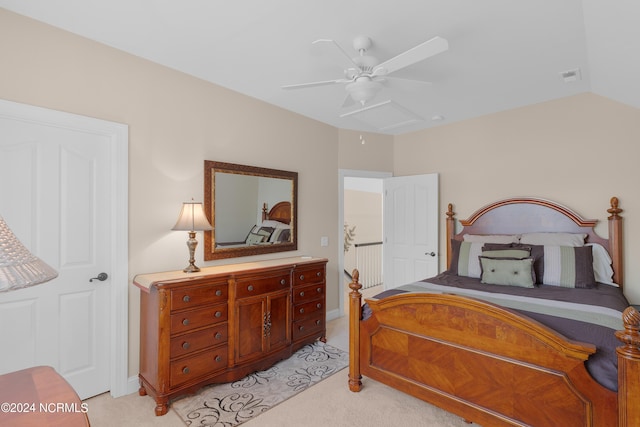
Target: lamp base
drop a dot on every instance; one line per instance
(192, 243)
(191, 269)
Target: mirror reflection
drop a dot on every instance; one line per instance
(251, 209)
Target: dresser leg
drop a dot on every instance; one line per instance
(142, 391)
(323, 339)
(162, 406)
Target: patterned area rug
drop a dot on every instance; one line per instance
(227, 405)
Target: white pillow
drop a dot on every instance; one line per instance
(602, 264)
(553, 239)
(274, 224)
(491, 238)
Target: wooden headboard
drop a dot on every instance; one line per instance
(529, 215)
(280, 212)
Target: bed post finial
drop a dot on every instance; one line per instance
(451, 229)
(629, 369)
(614, 210)
(615, 240)
(355, 307)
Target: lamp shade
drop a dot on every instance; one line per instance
(20, 268)
(192, 218)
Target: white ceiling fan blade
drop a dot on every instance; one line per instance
(418, 53)
(400, 79)
(314, 84)
(346, 55)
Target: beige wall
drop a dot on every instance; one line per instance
(175, 122)
(376, 154)
(578, 151)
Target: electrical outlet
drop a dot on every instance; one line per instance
(324, 241)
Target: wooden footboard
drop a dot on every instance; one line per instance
(487, 364)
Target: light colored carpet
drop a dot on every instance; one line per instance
(232, 404)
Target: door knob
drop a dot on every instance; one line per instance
(431, 253)
(101, 277)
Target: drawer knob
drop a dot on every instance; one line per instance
(319, 290)
(318, 274)
(185, 370)
(319, 305)
(218, 359)
(318, 322)
(282, 281)
(302, 277)
(250, 288)
(218, 314)
(218, 292)
(186, 345)
(301, 328)
(218, 335)
(301, 310)
(186, 298)
(302, 293)
(185, 322)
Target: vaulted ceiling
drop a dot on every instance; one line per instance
(502, 54)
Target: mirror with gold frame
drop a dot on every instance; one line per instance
(252, 210)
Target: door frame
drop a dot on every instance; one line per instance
(342, 174)
(118, 137)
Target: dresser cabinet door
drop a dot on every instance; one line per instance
(250, 324)
(262, 325)
(278, 320)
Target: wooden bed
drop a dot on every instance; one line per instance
(491, 365)
(280, 212)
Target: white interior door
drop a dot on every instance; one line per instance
(55, 186)
(410, 229)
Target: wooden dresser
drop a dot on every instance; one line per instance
(225, 322)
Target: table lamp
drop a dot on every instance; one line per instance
(20, 268)
(192, 219)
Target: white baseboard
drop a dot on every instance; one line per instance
(333, 314)
(133, 384)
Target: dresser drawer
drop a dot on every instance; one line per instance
(195, 341)
(261, 285)
(305, 276)
(197, 296)
(188, 368)
(308, 326)
(308, 293)
(301, 311)
(193, 319)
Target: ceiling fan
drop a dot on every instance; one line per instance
(366, 75)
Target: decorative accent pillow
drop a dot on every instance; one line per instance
(536, 252)
(280, 235)
(554, 239)
(464, 260)
(507, 253)
(491, 238)
(567, 266)
(507, 272)
(254, 239)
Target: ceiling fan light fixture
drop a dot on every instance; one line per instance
(363, 90)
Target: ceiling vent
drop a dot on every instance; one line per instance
(571, 75)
